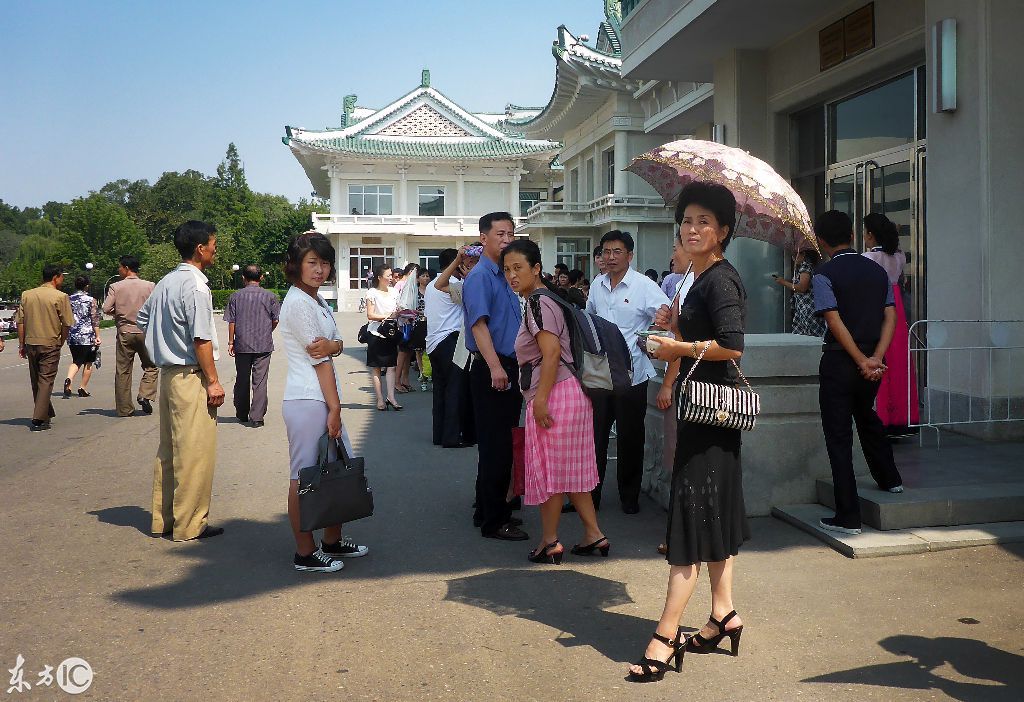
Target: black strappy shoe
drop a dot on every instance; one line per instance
(601, 545)
(653, 669)
(699, 644)
(541, 555)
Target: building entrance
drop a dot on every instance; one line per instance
(891, 182)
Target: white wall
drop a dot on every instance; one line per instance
(482, 198)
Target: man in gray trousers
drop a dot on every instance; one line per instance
(252, 314)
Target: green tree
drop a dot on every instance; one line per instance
(95, 230)
(26, 270)
(160, 260)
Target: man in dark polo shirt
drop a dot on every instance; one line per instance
(853, 295)
(492, 317)
(252, 315)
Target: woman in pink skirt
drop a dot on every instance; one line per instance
(560, 458)
(896, 407)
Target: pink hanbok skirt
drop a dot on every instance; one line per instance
(891, 405)
(561, 458)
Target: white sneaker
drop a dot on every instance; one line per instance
(317, 562)
(896, 489)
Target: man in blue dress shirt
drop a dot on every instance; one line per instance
(492, 317)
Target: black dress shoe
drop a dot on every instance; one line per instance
(243, 418)
(508, 533)
(256, 423)
(630, 507)
(146, 406)
(209, 532)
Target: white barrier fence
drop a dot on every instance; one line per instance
(967, 372)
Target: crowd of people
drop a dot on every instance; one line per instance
(496, 332)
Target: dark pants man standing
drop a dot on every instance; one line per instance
(44, 319)
(251, 370)
(843, 393)
(453, 417)
(496, 412)
(42, 370)
(628, 412)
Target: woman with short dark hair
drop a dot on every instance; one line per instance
(804, 320)
(84, 337)
(707, 520)
(312, 393)
(381, 351)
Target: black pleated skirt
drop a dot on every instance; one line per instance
(707, 519)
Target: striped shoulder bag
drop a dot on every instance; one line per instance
(718, 405)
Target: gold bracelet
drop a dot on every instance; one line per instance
(693, 349)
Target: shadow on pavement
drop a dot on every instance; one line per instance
(126, 516)
(567, 600)
(18, 422)
(100, 412)
(997, 672)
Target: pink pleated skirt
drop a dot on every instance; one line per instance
(894, 407)
(561, 458)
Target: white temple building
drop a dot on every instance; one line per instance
(411, 179)
(594, 112)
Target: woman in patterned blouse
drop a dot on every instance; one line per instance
(84, 337)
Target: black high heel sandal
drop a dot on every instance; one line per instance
(704, 645)
(653, 669)
(588, 550)
(392, 405)
(541, 555)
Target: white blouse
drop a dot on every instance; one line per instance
(304, 318)
(384, 303)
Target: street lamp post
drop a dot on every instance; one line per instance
(234, 270)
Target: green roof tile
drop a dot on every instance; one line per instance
(433, 149)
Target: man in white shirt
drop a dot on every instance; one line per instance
(629, 299)
(442, 306)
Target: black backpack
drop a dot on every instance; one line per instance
(603, 364)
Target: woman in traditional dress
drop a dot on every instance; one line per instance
(895, 406)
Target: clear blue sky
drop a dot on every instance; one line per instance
(95, 91)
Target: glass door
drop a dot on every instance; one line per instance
(892, 183)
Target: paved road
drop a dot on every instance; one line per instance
(436, 612)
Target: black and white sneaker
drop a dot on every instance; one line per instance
(317, 562)
(896, 489)
(831, 524)
(346, 548)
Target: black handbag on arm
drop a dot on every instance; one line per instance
(333, 493)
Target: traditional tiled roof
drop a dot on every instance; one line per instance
(465, 149)
(584, 76)
(423, 125)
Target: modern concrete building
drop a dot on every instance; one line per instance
(906, 107)
(593, 113)
(411, 179)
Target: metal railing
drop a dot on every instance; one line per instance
(966, 372)
(461, 223)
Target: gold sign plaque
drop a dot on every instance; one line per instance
(830, 45)
(859, 31)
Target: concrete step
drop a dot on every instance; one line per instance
(871, 543)
(949, 505)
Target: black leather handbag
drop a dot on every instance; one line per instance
(333, 493)
(388, 329)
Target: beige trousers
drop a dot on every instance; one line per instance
(127, 346)
(183, 472)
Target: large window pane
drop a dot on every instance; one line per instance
(809, 140)
(431, 201)
(370, 199)
(527, 199)
(879, 119)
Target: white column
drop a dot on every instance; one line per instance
(597, 186)
(337, 193)
(621, 161)
(400, 202)
(460, 191)
(513, 194)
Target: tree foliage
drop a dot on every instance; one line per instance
(126, 216)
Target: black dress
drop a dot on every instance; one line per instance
(706, 516)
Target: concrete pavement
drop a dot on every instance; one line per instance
(435, 611)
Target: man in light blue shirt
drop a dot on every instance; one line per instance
(628, 299)
(177, 321)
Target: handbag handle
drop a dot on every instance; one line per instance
(324, 445)
(732, 360)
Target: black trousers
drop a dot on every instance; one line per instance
(453, 407)
(627, 411)
(843, 395)
(496, 413)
